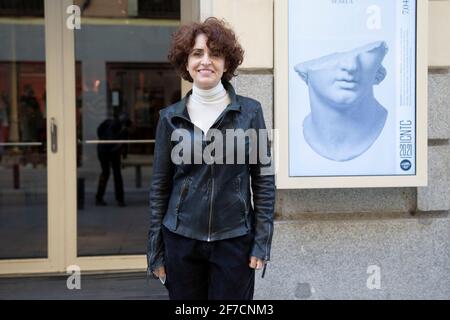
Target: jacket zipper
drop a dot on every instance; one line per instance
(152, 250)
(212, 173)
(212, 184)
(211, 205)
(185, 187)
(240, 195)
(182, 193)
(243, 201)
(267, 242)
(266, 252)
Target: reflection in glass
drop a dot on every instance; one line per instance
(146, 9)
(123, 80)
(23, 158)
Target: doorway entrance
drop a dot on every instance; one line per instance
(78, 113)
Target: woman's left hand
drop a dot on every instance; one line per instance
(256, 263)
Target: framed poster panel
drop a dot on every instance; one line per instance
(351, 93)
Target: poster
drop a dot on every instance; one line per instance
(352, 88)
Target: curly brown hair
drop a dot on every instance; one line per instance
(221, 40)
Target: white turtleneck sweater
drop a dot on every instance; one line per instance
(205, 106)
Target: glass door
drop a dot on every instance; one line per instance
(31, 199)
(78, 113)
(121, 80)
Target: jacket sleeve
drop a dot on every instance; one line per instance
(160, 189)
(263, 189)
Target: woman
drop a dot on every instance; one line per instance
(205, 238)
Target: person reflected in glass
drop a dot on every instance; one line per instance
(31, 122)
(110, 154)
(345, 118)
(29, 115)
(4, 122)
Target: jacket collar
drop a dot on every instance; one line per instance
(181, 109)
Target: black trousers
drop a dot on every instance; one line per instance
(106, 160)
(217, 270)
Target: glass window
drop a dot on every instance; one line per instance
(123, 80)
(23, 157)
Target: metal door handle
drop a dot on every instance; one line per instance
(54, 135)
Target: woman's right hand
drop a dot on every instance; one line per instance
(160, 272)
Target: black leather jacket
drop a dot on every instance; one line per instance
(210, 201)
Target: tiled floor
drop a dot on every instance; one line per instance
(123, 286)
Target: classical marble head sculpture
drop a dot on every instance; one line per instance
(345, 119)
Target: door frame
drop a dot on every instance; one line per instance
(62, 165)
(56, 188)
(189, 11)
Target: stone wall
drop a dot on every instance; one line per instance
(331, 243)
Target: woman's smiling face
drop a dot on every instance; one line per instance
(205, 67)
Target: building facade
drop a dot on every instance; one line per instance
(60, 80)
